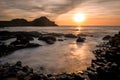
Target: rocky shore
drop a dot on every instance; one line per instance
(106, 66)
(23, 40)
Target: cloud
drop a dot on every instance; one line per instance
(63, 8)
(28, 8)
(48, 6)
(100, 8)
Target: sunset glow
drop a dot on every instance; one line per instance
(79, 17)
(63, 12)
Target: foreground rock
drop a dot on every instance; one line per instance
(107, 37)
(70, 35)
(19, 72)
(5, 35)
(106, 66)
(8, 49)
(22, 41)
(80, 39)
(84, 35)
(48, 39)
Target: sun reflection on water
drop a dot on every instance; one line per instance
(78, 30)
(77, 57)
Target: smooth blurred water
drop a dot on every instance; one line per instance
(65, 56)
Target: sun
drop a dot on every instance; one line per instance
(79, 17)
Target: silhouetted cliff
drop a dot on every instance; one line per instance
(42, 21)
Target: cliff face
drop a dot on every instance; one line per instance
(42, 21)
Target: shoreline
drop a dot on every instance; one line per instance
(24, 38)
(104, 67)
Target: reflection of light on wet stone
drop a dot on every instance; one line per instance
(66, 56)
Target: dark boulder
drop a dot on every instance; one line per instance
(60, 40)
(18, 42)
(70, 35)
(3, 49)
(22, 39)
(30, 45)
(80, 39)
(55, 34)
(18, 63)
(24, 35)
(6, 37)
(48, 39)
(107, 37)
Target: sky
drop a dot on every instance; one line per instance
(98, 12)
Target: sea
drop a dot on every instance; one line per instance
(62, 56)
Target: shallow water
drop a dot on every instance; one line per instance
(63, 56)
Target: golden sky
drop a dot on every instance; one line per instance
(97, 12)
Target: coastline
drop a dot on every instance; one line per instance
(104, 67)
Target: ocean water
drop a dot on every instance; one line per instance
(63, 56)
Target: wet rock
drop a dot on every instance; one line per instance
(107, 37)
(52, 78)
(23, 42)
(42, 68)
(3, 49)
(20, 40)
(119, 32)
(6, 37)
(18, 63)
(21, 73)
(48, 39)
(11, 78)
(22, 46)
(31, 45)
(80, 39)
(65, 77)
(77, 77)
(2, 46)
(70, 35)
(36, 77)
(60, 40)
(24, 35)
(55, 34)
(106, 66)
(79, 35)
(93, 75)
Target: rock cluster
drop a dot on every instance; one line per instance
(106, 66)
(5, 35)
(22, 41)
(80, 39)
(107, 63)
(26, 73)
(48, 39)
(107, 37)
(70, 36)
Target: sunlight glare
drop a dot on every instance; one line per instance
(79, 17)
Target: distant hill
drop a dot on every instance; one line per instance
(42, 21)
